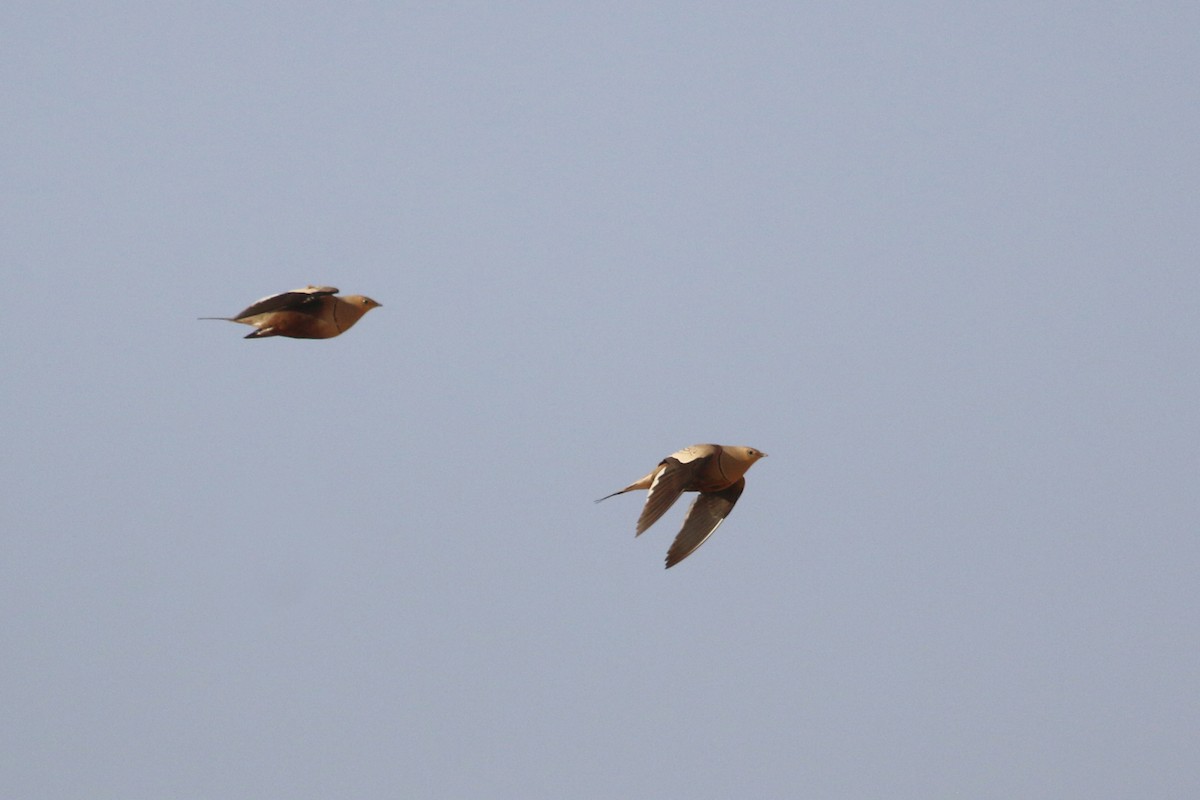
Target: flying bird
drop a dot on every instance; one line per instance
(309, 313)
(715, 471)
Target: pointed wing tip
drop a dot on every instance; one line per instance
(643, 526)
(674, 557)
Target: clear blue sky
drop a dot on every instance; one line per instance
(939, 260)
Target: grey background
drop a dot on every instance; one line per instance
(938, 260)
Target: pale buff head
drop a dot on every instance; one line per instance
(735, 460)
(747, 454)
(349, 310)
(363, 304)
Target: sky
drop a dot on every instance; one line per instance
(938, 260)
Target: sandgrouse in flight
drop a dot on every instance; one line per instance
(309, 313)
(715, 471)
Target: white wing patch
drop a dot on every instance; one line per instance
(654, 483)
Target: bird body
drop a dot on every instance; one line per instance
(715, 471)
(313, 312)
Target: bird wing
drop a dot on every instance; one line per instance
(703, 518)
(670, 482)
(301, 300)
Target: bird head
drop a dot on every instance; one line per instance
(747, 454)
(364, 304)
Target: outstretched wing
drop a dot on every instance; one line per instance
(295, 300)
(672, 480)
(703, 518)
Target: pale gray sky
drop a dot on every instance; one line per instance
(939, 260)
